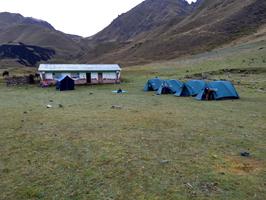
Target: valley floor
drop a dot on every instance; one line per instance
(154, 147)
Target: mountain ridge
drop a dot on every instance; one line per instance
(153, 30)
(17, 29)
(10, 19)
(144, 17)
(210, 24)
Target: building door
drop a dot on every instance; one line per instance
(117, 78)
(88, 76)
(100, 77)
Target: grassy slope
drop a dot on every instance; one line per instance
(213, 24)
(86, 150)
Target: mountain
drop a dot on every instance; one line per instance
(16, 30)
(186, 29)
(11, 19)
(137, 24)
(144, 17)
(153, 30)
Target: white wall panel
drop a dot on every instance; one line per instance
(109, 75)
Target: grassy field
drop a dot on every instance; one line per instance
(154, 147)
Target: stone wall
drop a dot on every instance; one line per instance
(20, 80)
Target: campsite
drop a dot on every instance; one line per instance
(133, 100)
(93, 144)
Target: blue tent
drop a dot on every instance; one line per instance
(218, 90)
(194, 87)
(191, 88)
(170, 87)
(65, 83)
(183, 91)
(153, 84)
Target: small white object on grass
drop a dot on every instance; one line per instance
(122, 92)
(116, 107)
(164, 161)
(49, 106)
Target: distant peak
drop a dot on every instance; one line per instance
(15, 18)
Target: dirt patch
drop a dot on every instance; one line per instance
(241, 166)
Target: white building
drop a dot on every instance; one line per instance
(81, 73)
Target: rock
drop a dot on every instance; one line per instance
(116, 107)
(214, 156)
(189, 185)
(261, 90)
(209, 187)
(245, 154)
(164, 161)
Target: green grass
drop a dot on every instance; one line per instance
(155, 147)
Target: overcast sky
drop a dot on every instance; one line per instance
(80, 17)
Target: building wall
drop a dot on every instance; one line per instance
(81, 77)
(94, 75)
(48, 76)
(109, 75)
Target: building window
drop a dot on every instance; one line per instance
(75, 75)
(57, 75)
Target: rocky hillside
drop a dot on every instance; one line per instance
(143, 18)
(26, 55)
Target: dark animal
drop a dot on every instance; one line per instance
(31, 79)
(5, 73)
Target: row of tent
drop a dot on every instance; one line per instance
(202, 90)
